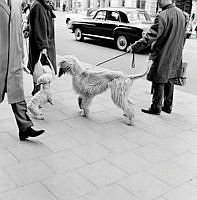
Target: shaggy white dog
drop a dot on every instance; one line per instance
(41, 97)
(88, 83)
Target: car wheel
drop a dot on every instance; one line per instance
(78, 34)
(188, 35)
(68, 24)
(121, 42)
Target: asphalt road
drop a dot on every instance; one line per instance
(95, 51)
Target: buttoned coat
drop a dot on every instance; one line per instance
(11, 72)
(167, 36)
(41, 35)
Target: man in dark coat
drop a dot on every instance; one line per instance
(41, 37)
(11, 72)
(167, 37)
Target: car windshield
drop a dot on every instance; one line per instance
(138, 16)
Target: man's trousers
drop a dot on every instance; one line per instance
(20, 113)
(162, 95)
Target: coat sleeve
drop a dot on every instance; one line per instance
(39, 26)
(154, 32)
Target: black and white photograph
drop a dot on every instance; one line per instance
(98, 99)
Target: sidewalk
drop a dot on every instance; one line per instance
(101, 158)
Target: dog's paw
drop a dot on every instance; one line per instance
(39, 117)
(130, 123)
(83, 114)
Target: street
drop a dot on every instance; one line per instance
(100, 157)
(95, 51)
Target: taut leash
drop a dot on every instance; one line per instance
(132, 62)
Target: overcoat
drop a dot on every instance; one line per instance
(167, 36)
(42, 34)
(11, 72)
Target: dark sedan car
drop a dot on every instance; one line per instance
(122, 25)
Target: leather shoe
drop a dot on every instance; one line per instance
(151, 111)
(30, 132)
(166, 110)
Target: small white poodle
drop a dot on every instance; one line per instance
(41, 97)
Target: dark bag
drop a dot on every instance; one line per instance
(181, 75)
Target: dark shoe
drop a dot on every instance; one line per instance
(151, 111)
(30, 132)
(166, 110)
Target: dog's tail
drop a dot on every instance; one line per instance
(136, 76)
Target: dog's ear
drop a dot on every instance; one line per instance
(61, 71)
(63, 68)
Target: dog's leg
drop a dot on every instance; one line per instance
(85, 106)
(40, 116)
(35, 111)
(130, 115)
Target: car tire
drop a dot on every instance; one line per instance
(78, 34)
(121, 42)
(188, 35)
(68, 23)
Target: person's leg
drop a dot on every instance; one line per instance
(156, 106)
(157, 99)
(20, 112)
(168, 96)
(23, 121)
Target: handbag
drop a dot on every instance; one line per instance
(41, 69)
(181, 75)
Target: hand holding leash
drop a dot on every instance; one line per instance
(44, 51)
(129, 49)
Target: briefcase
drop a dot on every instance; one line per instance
(181, 75)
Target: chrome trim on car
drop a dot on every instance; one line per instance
(98, 36)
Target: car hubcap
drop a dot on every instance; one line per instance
(122, 42)
(78, 34)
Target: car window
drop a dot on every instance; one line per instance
(138, 16)
(92, 13)
(132, 16)
(142, 17)
(113, 16)
(100, 15)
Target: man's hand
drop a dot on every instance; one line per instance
(44, 51)
(129, 49)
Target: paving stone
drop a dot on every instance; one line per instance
(145, 186)
(188, 161)
(28, 150)
(59, 143)
(29, 172)
(154, 153)
(129, 162)
(6, 158)
(111, 192)
(118, 144)
(171, 174)
(34, 191)
(63, 161)
(69, 186)
(101, 173)
(92, 152)
(183, 192)
(6, 183)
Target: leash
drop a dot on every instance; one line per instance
(132, 62)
